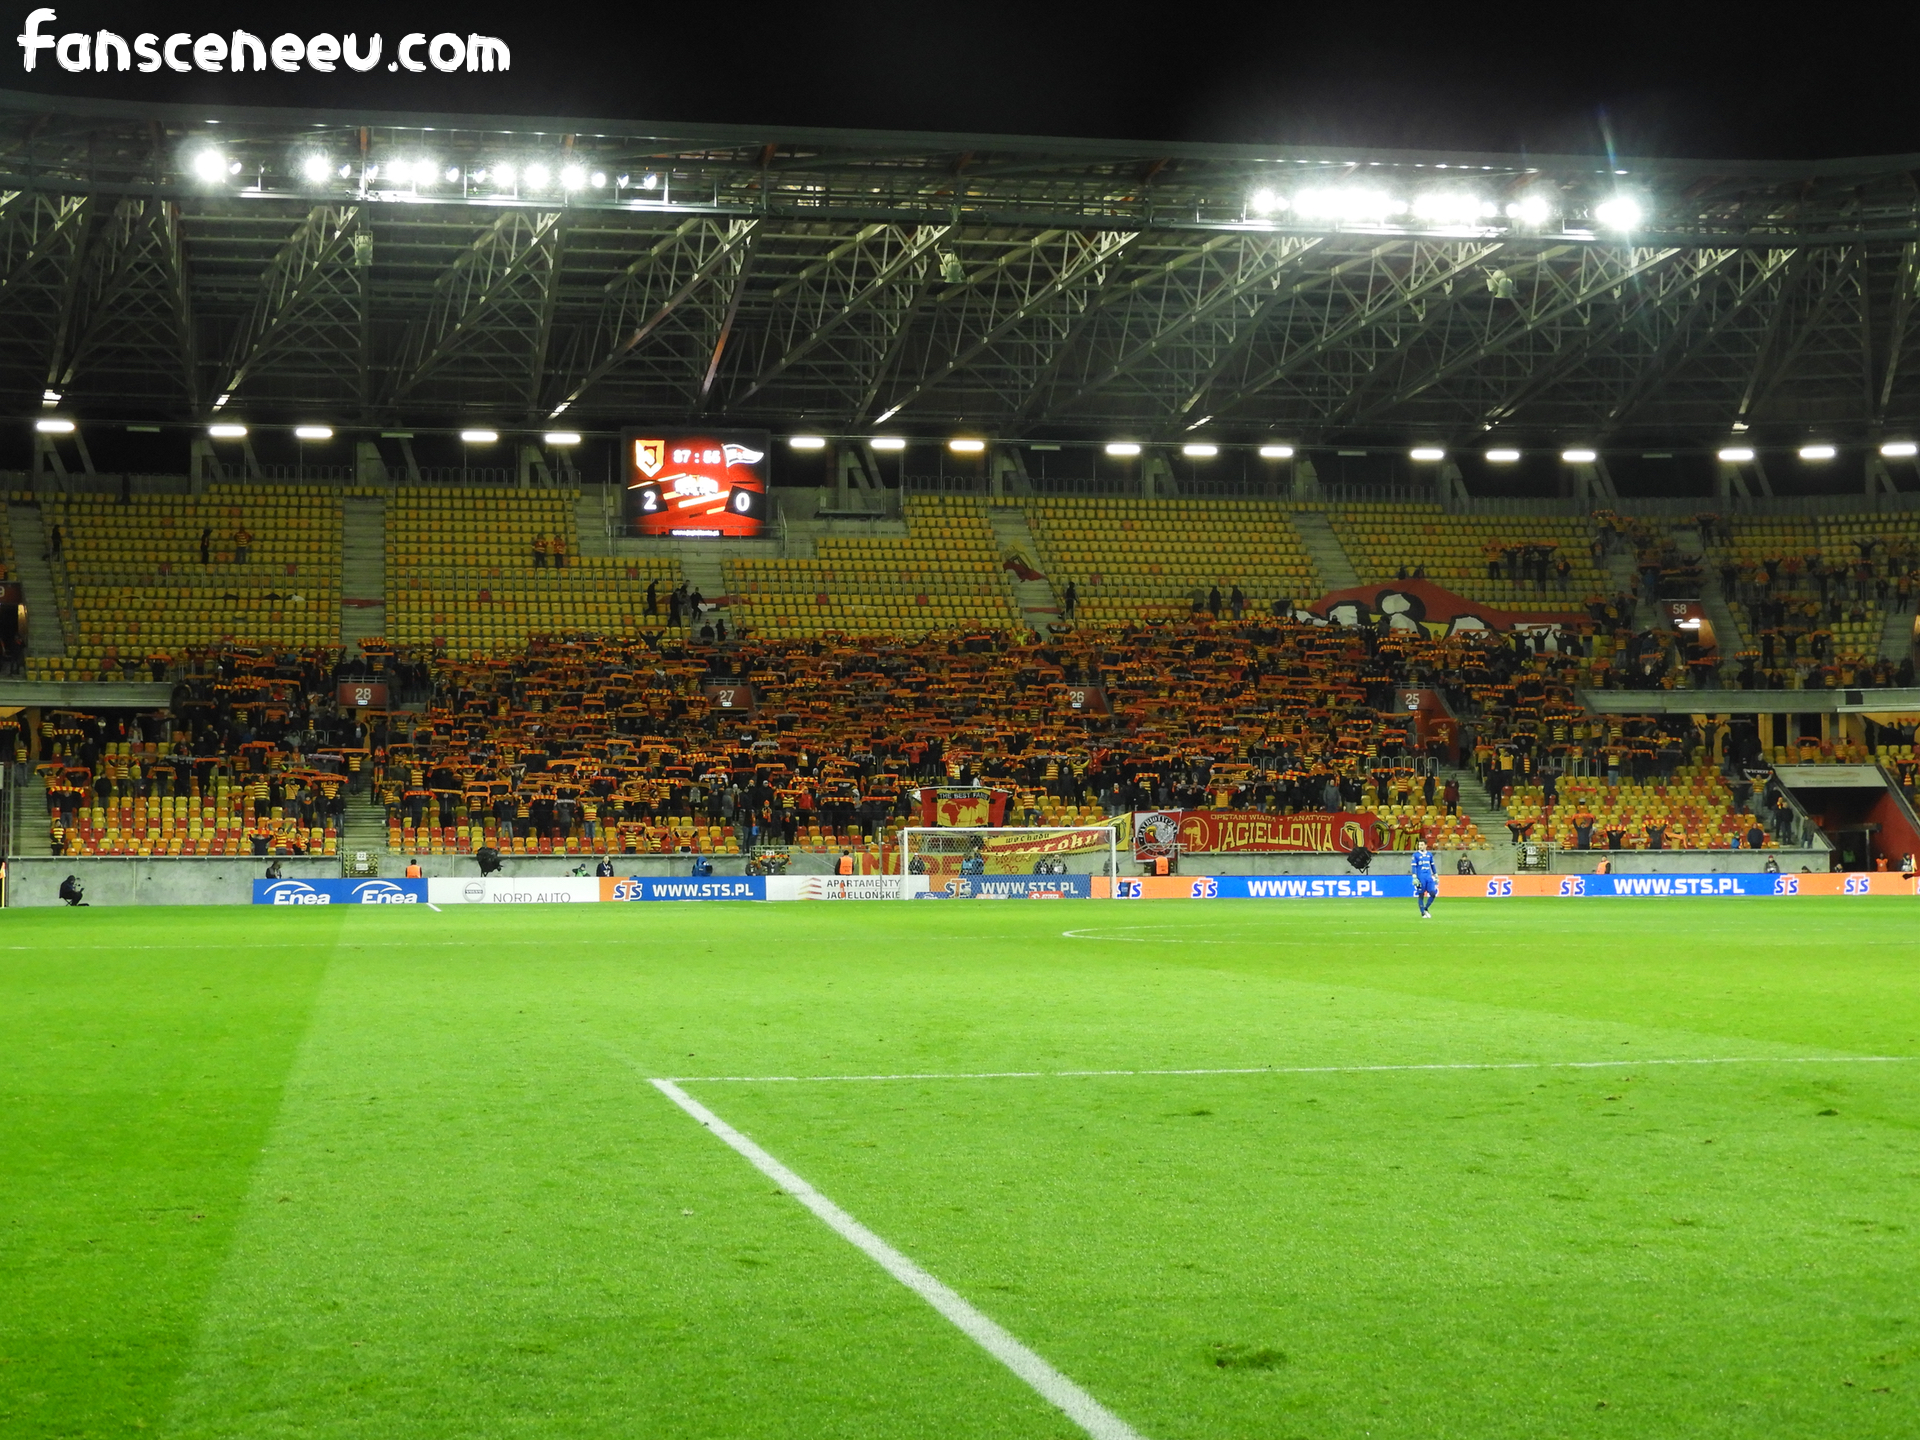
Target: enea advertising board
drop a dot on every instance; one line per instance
(697, 484)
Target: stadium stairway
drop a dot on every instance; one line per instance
(1039, 605)
(1727, 634)
(1896, 634)
(1325, 550)
(704, 567)
(363, 570)
(30, 836)
(45, 634)
(590, 521)
(1478, 808)
(365, 826)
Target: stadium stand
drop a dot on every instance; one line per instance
(1156, 559)
(1509, 561)
(945, 574)
(144, 580)
(477, 570)
(1813, 592)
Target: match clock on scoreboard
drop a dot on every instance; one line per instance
(697, 484)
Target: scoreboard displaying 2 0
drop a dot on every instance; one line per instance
(700, 484)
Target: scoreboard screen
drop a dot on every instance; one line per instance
(699, 484)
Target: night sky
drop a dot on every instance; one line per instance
(1715, 82)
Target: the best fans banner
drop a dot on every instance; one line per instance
(971, 806)
(1256, 832)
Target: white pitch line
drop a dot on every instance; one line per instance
(1073, 1402)
(1291, 1069)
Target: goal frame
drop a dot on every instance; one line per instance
(909, 833)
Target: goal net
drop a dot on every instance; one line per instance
(1009, 860)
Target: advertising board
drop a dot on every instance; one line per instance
(339, 892)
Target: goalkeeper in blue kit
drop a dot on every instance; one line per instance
(1426, 886)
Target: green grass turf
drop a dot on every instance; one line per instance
(399, 1173)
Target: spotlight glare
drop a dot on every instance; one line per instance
(1735, 455)
(1123, 448)
(1276, 452)
(1530, 210)
(1265, 202)
(479, 437)
(537, 176)
(1426, 453)
(1450, 207)
(313, 432)
(315, 169)
(210, 166)
(1620, 213)
(502, 175)
(887, 442)
(1817, 452)
(964, 445)
(598, 179)
(1502, 457)
(1900, 449)
(573, 177)
(54, 427)
(1579, 457)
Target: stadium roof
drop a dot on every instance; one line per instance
(182, 262)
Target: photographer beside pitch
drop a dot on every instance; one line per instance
(1426, 884)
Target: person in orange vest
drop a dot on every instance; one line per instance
(414, 872)
(845, 866)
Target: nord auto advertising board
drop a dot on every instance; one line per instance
(697, 484)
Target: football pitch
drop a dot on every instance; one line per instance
(1291, 1171)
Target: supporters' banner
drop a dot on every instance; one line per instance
(968, 805)
(1213, 831)
(1420, 607)
(339, 892)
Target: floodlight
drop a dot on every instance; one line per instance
(1502, 457)
(807, 442)
(1265, 202)
(54, 427)
(598, 179)
(1348, 205)
(502, 174)
(1735, 455)
(1620, 213)
(210, 166)
(649, 182)
(1451, 207)
(961, 445)
(562, 437)
(1579, 457)
(1530, 210)
(1817, 452)
(1276, 452)
(313, 432)
(1200, 452)
(315, 169)
(1900, 449)
(538, 175)
(227, 432)
(479, 437)
(453, 175)
(1122, 448)
(573, 177)
(887, 442)
(1427, 452)
(49, 397)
